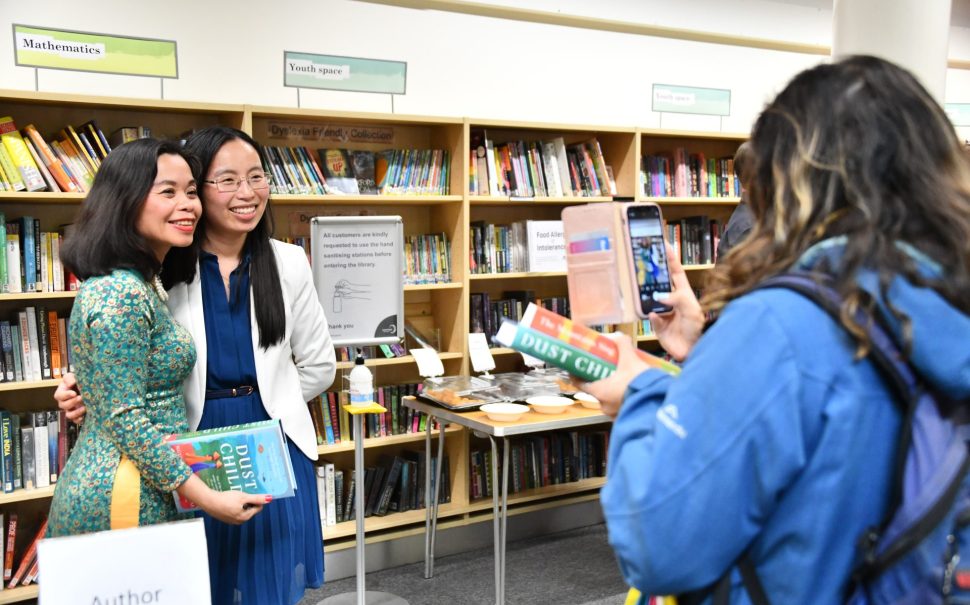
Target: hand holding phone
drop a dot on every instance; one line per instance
(647, 258)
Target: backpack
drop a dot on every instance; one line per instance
(914, 556)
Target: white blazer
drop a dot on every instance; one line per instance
(289, 373)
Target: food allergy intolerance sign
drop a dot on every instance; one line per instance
(358, 272)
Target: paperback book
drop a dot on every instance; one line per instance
(558, 341)
(251, 458)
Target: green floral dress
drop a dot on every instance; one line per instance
(131, 358)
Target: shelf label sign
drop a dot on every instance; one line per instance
(959, 113)
(164, 563)
(87, 51)
(691, 99)
(353, 74)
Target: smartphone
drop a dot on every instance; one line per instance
(648, 258)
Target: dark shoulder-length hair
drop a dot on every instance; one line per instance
(105, 236)
(855, 148)
(181, 263)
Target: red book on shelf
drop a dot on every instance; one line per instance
(28, 557)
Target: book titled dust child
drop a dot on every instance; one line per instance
(251, 458)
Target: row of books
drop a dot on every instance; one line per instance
(357, 172)
(684, 174)
(387, 351)
(486, 314)
(538, 168)
(35, 448)
(30, 259)
(395, 484)
(333, 424)
(34, 346)
(29, 162)
(427, 259)
(694, 239)
(541, 460)
(20, 566)
(522, 246)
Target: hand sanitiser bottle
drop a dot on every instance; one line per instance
(361, 382)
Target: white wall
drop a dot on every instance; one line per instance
(458, 65)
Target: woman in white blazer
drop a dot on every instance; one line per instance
(264, 350)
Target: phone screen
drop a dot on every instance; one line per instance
(649, 258)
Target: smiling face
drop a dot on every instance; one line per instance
(172, 208)
(234, 214)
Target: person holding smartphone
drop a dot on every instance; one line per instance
(776, 444)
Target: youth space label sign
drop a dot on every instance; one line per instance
(353, 74)
(691, 99)
(88, 51)
(150, 565)
(358, 266)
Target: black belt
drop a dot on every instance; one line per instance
(233, 392)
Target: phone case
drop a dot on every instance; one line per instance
(600, 289)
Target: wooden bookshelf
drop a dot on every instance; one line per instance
(442, 306)
(19, 594)
(23, 495)
(374, 442)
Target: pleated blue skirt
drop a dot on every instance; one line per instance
(275, 556)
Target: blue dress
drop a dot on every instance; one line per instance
(276, 555)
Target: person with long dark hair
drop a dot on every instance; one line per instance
(264, 351)
(131, 356)
(777, 441)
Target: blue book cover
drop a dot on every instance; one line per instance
(252, 458)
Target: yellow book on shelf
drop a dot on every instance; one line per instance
(20, 156)
(5, 182)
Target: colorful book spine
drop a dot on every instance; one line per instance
(14, 144)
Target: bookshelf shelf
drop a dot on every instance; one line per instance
(41, 197)
(374, 523)
(23, 495)
(38, 296)
(348, 446)
(424, 287)
(24, 385)
(647, 338)
(690, 268)
(502, 351)
(346, 365)
(19, 594)
(541, 493)
(524, 275)
(694, 201)
(492, 200)
(365, 200)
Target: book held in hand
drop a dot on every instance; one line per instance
(558, 341)
(251, 458)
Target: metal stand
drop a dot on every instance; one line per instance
(361, 596)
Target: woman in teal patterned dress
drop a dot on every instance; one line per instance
(131, 356)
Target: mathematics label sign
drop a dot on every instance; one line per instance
(358, 268)
(86, 51)
(331, 72)
(690, 99)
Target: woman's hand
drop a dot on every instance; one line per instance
(68, 397)
(611, 389)
(679, 330)
(230, 507)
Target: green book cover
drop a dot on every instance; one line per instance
(553, 351)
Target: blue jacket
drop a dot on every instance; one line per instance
(772, 438)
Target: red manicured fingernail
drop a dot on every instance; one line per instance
(269, 499)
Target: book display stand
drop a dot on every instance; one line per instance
(361, 596)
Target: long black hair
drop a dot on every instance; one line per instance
(180, 264)
(105, 236)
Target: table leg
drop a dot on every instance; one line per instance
(505, 508)
(359, 504)
(436, 497)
